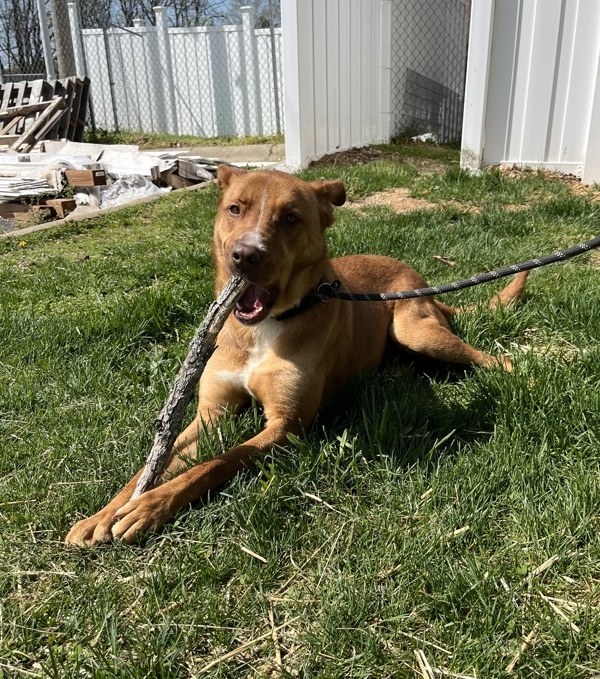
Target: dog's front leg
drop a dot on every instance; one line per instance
(97, 529)
(290, 399)
(150, 511)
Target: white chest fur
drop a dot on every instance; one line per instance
(265, 335)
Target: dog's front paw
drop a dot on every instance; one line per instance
(93, 531)
(146, 514)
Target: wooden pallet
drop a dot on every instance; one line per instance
(34, 110)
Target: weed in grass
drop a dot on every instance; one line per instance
(413, 516)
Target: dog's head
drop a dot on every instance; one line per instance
(270, 229)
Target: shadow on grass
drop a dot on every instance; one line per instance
(398, 415)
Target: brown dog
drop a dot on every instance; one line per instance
(279, 346)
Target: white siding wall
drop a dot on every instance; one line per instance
(335, 57)
(535, 65)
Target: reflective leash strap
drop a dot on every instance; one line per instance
(327, 291)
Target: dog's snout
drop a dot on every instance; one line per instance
(245, 257)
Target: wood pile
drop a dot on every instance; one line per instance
(57, 176)
(50, 208)
(189, 170)
(31, 111)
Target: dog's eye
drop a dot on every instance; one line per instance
(291, 219)
(234, 210)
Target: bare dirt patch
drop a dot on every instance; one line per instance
(366, 154)
(400, 201)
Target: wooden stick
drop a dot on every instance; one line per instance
(168, 423)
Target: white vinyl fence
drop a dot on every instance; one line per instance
(533, 86)
(356, 72)
(363, 71)
(336, 57)
(202, 81)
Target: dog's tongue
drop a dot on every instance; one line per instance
(253, 303)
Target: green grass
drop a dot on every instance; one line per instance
(147, 140)
(413, 514)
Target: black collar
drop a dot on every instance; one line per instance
(305, 304)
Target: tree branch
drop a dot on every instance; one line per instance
(168, 423)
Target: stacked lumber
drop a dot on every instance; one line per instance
(12, 211)
(38, 109)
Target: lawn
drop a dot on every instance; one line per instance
(158, 141)
(433, 516)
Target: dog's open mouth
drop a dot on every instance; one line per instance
(254, 305)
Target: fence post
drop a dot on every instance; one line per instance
(274, 64)
(248, 23)
(111, 80)
(591, 163)
(296, 20)
(476, 86)
(164, 53)
(45, 31)
(385, 71)
(76, 38)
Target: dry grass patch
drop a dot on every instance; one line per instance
(400, 201)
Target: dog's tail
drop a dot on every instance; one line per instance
(507, 297)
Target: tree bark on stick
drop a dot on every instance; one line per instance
(168, 423)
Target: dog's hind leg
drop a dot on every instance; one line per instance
(423, 329)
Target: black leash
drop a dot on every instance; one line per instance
(327, 291)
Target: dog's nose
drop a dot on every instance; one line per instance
(245, 257)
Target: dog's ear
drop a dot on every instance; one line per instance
(333, 192)
(225, 174)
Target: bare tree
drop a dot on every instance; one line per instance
(96, 13)
(21, 45)
(262, 12)
(179, 12)
(198, 12)
(125, 11)
(20, 41)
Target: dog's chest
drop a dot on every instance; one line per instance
(264, 335)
